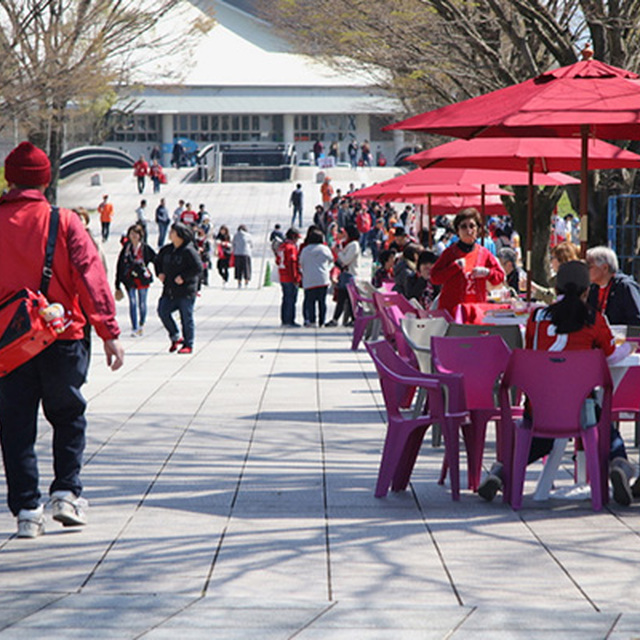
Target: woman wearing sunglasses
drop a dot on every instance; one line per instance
(465, 267)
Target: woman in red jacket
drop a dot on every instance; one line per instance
(465, 267)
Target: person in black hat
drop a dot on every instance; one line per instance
(178, 266)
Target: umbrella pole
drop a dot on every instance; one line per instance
(530, 202)
(482, 230)
(430, 239)
(584, 190)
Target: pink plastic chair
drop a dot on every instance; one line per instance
(481, 360)
(405, 431)
(383, 302)
(361, 316)
(556, 384)
(626, 399)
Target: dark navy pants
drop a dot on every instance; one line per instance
(53, 377)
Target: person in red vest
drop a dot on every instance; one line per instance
(140, 171)
(290, 278)
(465, 267)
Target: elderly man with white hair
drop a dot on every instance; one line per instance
(615, 294)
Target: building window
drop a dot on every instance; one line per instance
(328, 128)
(133, 128)
(221, 128)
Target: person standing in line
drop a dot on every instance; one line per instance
(315, 261)
(105, 208)
(133, 272)
(55, 376)
(162, 220)
(296, 201)
(289, 275)
(353, 155)
(348, 261)
(189, 216)
(178, 266)
(177, 214)
(140, 171)
(242, 248)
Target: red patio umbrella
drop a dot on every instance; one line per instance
(588, 98)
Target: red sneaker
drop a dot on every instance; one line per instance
(186, 350)
(175, 344)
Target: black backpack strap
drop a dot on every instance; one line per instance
(47, 271)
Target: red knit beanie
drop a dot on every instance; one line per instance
(27, 166)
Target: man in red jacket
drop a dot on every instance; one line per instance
(55, 375)
(289, 273)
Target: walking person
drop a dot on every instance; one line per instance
(289, 275)
(162, 220)
(178, 267)
(295, 201)
(157, 175)
(133, 272)
(141, 217)
(315, 261)
(140, 171)
(223, 242)
(55, 376)
(242, 247)
(105, 209)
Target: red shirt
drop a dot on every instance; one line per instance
(595, 336)
(79, 280)
(457, 286)
(287, 261)
(140, 168)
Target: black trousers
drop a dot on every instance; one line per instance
(53, 377)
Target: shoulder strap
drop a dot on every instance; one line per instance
(47, 271)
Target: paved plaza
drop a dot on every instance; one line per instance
(231, 492)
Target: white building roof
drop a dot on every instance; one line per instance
(240, 50)
(262, 100)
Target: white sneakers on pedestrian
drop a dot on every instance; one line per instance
(31, 522)
(67, 509)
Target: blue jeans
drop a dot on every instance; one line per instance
(166, 308)
(288, 306)
(297, 211)
(137, 307)
(53, 377)
(312, 297)
(162, 232)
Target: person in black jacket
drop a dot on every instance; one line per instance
(616, 295)
(178, 266)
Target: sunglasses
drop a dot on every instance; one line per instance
(470, 225)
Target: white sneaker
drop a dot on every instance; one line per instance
(140, 331)
(68, 509)
(134, 334)
(31, 522)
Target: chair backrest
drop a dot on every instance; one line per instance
(389, 364)
(435, 313)
(481, 359)
(385, 301)
(511, 334)
(557, 383)
(356, 299)
(625, 396)
(417, 332)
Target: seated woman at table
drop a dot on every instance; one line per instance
(419, 285)
(570, 325)
(465, 267)
(561, 253)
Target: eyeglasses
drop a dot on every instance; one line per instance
(470, 225)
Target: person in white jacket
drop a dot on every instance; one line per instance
(315, 261)
(242, 246)
(349, 261)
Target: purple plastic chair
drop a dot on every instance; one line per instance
(405, 431)
(481, 360)
(556, 384)
(361, 316)
(383, 302)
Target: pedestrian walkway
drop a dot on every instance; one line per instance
(231, 497)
